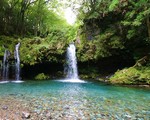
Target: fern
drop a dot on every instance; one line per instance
(113, 4)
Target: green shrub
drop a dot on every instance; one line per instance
(41, 76)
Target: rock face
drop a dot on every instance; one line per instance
(25, 115)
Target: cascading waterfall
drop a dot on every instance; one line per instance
(71, 65)
(5, 66)
(17, 62)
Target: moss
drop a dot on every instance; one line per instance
(41, 76)
(83, 76)
(38, 50)
(7, 42)
(132, 75)
(89, 76)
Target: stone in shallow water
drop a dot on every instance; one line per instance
(26, 115)
(48, 114)
(126, 116)
(4, 107)
(67, 107)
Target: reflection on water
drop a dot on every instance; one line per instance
(87, 100)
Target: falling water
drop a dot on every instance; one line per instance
(5, 66)
(71, 66)
(17, 62)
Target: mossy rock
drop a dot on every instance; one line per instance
(132, 75)
(41, 76)
(89, 76)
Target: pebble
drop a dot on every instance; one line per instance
(48, 114)
(67, 107)
(26, 115)
(127, 116)
(96, 108)
(4, 107)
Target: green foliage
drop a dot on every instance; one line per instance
(89, 72)
(102, 45)
(115, 26)
(107, 43)
(93, 15)
(86, 52)
(104, 28)
(136, 17)
(113, 5)
(41, 76)
(7, 43)
(71, 33)
(39, 50)
(132, 75)
(119, 25)
(131, 33)
(31, 17)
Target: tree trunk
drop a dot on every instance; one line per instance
(20, 19)
(142, 61)
(148, 26)
(22, 23)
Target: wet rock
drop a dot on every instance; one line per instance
(4, 107)
(63, 114)
(147, 86)
(67, 107)
(103, 115)
(26, 115)
(127, 116)
(48, 115)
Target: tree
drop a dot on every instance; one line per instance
(28, 17)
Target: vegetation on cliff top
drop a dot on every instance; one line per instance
(117, 27)
(139, 74)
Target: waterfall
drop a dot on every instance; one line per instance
(5, 66)
(71, 65)
(17, 62)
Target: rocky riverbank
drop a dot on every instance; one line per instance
(22, 107)
(12, 108)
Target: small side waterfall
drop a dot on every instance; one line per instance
(5, 65)
(17, 62)
(71, 65)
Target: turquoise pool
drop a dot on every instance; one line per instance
(84, 100)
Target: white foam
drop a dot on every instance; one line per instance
(72, 80)
(2, 82)
(18, 81)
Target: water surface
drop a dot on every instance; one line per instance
(83, 100)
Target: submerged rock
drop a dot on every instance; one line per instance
(48, 115)
(4, 107)
(26, 115)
